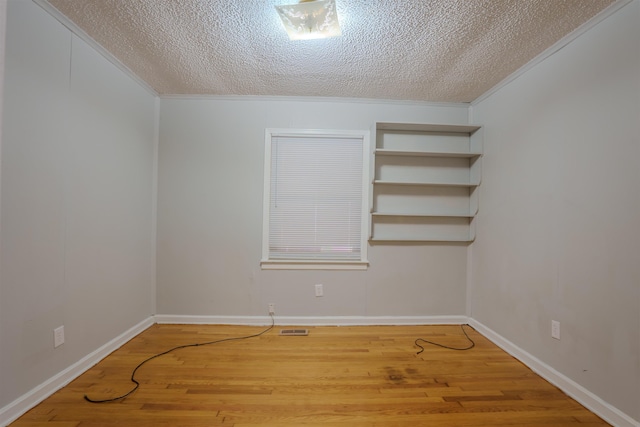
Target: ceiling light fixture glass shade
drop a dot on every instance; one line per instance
(310, 19)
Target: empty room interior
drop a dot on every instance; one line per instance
(146, 148)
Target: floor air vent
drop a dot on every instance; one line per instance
(294, 332)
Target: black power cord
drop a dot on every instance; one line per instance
(133, 374)
(469, 347)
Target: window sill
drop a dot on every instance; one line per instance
(313, 265)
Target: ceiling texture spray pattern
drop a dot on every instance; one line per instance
(430, 50)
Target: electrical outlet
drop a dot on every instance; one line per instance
(272, 308)
(58, 336)
(555, 329)
(319, 290)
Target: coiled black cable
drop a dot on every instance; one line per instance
(469, 347)
(133, 374)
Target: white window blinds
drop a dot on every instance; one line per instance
(315, 191)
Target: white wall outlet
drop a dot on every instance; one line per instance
(555, 329)
(319, 290)
(58, 336)
(272, 308)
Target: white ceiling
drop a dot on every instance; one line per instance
(429, 50)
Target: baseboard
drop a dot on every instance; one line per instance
(21, 405)
(607, 412)
(312, 320)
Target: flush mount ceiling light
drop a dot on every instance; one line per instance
(310, 19)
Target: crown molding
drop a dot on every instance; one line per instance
(614, 7)
(566, 40)
(328, 99)
(82, 35)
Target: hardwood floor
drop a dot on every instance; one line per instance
(335, 376)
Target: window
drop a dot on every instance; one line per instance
(315, 199)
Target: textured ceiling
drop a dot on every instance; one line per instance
(429, 50)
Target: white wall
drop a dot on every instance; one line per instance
(559, 224)
(76, 199)
(210, 219)
(557, 230)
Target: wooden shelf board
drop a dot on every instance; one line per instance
(426, 240)
(388, 152)
(421, 215)
(423, 127)
(429, 184)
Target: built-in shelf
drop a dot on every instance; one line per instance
(424, 187)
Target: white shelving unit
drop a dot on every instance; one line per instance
(425, 179)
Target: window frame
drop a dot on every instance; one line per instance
(312, 264)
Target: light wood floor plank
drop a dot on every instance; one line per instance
(335, 376)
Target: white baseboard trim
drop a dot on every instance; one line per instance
(21, 405)
(312, 320)
(586, 398)
(609, 413)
